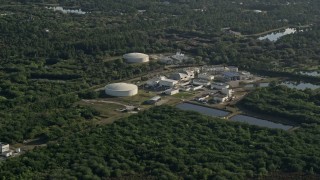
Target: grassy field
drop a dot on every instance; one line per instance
(184, 95)
(136, 100)
(106, 109)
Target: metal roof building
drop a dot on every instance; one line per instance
(168, 82)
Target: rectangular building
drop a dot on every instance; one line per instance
(168, 82)
(219, 86)
(220, 98)
(196, 87)
(231, 76)
(4, 147)
(171, 91)
(206, 76)
(227, 92)
(153, 100)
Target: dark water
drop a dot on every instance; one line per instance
(203, 110)
(239, 118)
(259, 122)
(300, 85)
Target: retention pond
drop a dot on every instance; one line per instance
(238, 118)
(260, 122)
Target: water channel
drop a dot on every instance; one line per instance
(238, 118)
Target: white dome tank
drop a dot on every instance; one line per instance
(136, 58)
(121, 89)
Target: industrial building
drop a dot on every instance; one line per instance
(183, 75)
(7, 154)
(179, 77)
(136, 58)
(233, 69)
(194, 70)
(206, 76)
(220, 98)
(4, 147)
(171, 91)
(202, 82)
(155, 81)
(166, 60)
(185, 88)
(5, 150)
(168, 82)
(177, 58)
(227, 92)
(244, 75)
(190, 74)
(121, 89)
(196, 88)
(219, 86)
(153, 100)
(214, 69)
(231, 76)
(203, 98)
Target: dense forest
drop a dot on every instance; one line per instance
(295, 105)
(168, 143)
(49, 60)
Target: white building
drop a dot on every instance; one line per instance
(166, 60)
(227, 92)
(233, 68)
(206, 76)
(196, 88)
(189, 73)
(257, 11)
(214, 69)
(155, 81)
(185, 88)
(244, 75)
(4, 147)
(180, 77)
(171, 91)
(203, 98)
(202, 82)
(121, 89)
(7, 154)
(153, 100)
(168, 82)
(219, 86)
(178, 57)
(220, 98)
(192, 69)
(184, 83)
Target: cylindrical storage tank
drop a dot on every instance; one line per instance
(121, 89)
(136, 58)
